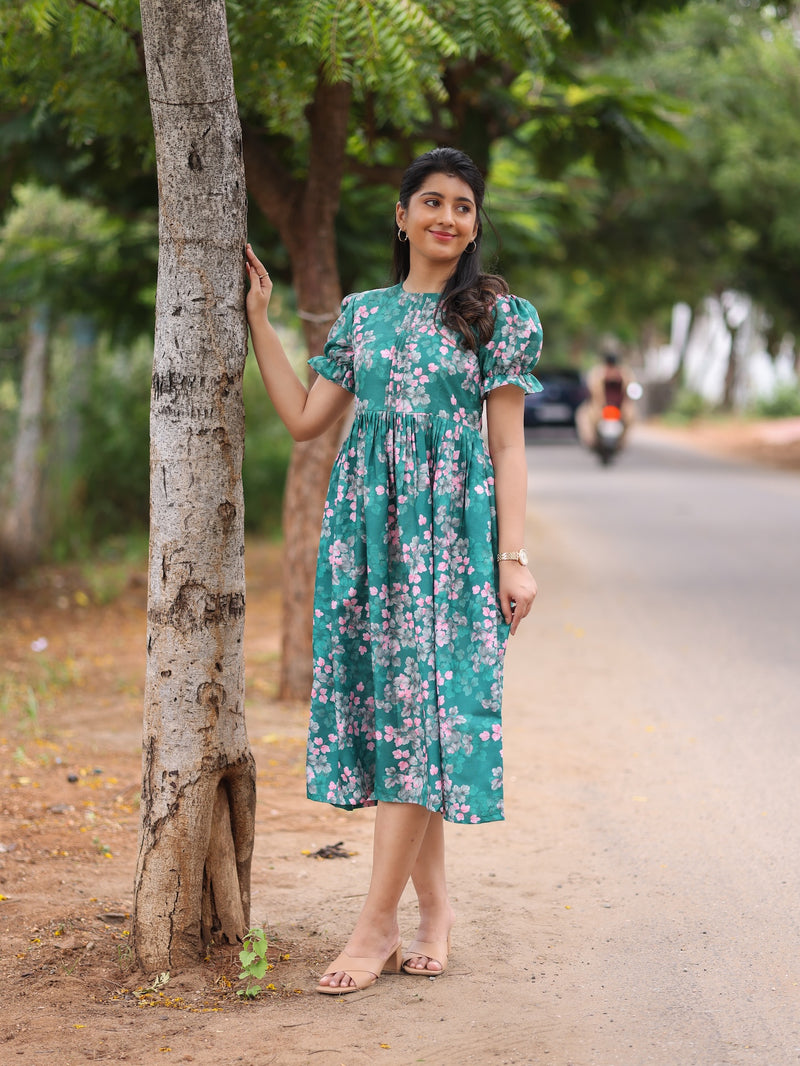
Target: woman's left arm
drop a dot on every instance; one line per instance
(506, 431)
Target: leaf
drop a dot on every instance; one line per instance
(250, 992)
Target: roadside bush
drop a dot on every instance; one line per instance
(784, 403)
(114, 466)
(687, 406)
(110, 483)
(97, 492)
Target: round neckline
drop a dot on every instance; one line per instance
(408, 292)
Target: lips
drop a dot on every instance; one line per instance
(440, 236)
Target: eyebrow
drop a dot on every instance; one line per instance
(441, 195)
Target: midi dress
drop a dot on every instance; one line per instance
(409, 639)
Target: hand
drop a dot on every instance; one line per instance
(517, 593)
(260, 290)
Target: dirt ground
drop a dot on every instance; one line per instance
(772, 442)
(70, 714)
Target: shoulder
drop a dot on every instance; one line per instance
(507, 305)
(515, 317)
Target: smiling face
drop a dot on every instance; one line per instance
(440, 220)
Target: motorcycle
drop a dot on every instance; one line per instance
(605, 436)
(609, 432)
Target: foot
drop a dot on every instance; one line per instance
(362, 947)
(427, 953)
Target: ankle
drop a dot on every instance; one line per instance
(383, 932)
(439, 920)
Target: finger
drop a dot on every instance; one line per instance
(254, 260)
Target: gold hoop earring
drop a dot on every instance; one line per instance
(473, 249)
(402, 236)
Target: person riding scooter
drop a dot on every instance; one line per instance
(603, 418)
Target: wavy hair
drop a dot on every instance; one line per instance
(467, 301)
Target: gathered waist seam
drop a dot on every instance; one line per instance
(385, 414)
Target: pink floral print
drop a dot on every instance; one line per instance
(408, 637)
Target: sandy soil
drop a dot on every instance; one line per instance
(771, 442)
(70, 713)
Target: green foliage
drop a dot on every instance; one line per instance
(687, 407)
(719, 208)
(82, 61)
(784, 403)
(111, 476)
(384, 36)
(109, 482)
(253, 958)
(76, 257)
(407, 61)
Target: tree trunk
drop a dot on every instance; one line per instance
(304, 214)
(22, 528)
(198, 788)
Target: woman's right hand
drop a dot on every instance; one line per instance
(257, 300)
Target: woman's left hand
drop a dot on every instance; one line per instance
(517, 593)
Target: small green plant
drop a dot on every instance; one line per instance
(102, 849)
(31, 707)
(125, 959)
(253, 958)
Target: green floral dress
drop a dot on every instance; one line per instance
(408, 636)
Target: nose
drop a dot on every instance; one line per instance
(446, 214)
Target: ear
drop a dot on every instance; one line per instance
(400, 215)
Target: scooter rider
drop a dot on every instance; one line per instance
(607, 385)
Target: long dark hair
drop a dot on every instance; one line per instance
(467, 301)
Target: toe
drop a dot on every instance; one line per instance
(422, 962)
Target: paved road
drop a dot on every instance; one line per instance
(654, 705)
(639, 906)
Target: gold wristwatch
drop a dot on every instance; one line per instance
(520, 557)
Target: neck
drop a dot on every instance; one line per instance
(428, 277)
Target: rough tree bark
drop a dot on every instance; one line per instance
(198, 789)
(21, 533)
(304, 214)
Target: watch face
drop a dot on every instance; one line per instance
(523, 557)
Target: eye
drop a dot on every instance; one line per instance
(432, 201)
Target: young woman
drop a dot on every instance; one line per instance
(422, 572)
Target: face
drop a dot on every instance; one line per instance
(441, 218)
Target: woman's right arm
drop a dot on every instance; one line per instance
(306, 413)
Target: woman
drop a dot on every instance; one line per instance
(422, 572)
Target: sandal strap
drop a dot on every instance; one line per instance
(353, 967)
(436, 951)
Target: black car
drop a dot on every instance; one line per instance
(563, 391)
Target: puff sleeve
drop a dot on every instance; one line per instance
(336, 362)
(512, 353)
